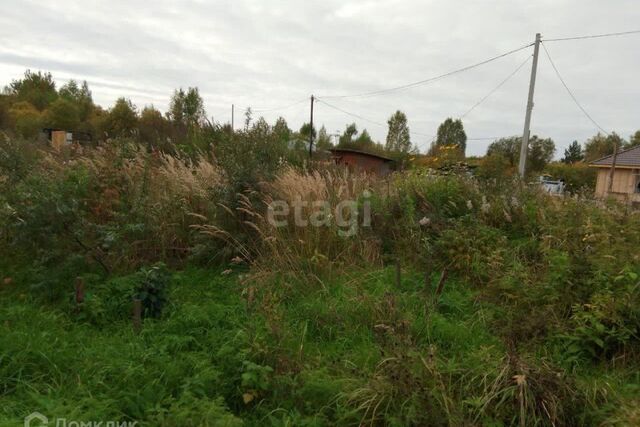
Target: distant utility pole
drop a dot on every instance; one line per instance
(311, 130)
(233, 108)
(524, 147)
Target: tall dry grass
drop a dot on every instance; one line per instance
(144, 202)
(305, 248)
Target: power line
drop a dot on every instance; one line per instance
(381, 124)
(349, 113)
(594, 36)
(431, 79)
(494, 90)
(570, 92)
(363, 118)
(486, 138)
(284, 107)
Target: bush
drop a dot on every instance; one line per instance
(578, 177)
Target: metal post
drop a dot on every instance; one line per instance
(524, 147)
(233, 108)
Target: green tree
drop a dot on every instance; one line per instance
(347, 136)
(634, 140)
(62, 114)
(398, 136)
(122, 119)
(324, 141)
(573, 153)
(281, 129)
(540, 151)
(80, 96)
(306, 130)
(577, 176)
(600, 146)
(187, 107)
(508, 148)
(38, 89)
(5, 117)
(495, 166)
(26, 118)
(153, 128)
(364, 139)
(451, 133)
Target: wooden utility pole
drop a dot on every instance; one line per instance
(524, 147)
(613, 166)
(233, 110)
(311, 130)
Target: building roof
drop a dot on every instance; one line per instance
(626, 158)
(364, 153)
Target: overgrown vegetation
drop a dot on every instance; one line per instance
(421, 298)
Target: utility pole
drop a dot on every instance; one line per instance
(233, 108)
(613, 166)
(311, 130)
(524, 147)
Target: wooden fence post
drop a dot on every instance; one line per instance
(443, 279)
(79, 291)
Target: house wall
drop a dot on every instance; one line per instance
(58, 139)
(624, 184)
(365, 163)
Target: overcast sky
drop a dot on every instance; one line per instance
(267, 54)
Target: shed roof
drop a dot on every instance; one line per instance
(626, 158)
(364, 153)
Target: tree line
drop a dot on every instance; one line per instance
(33, 103)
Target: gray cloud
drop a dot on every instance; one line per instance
(270, 53)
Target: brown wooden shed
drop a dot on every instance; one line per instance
(362, 161)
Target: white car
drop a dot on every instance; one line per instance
(552, 186)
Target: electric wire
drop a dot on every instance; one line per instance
(430, 79)
(432, 137)
(284, 107)
(570, 92)
(494, 90)
(361, 117)
(593, 36)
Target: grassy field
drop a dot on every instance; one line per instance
(513, 307)
(360, 350)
